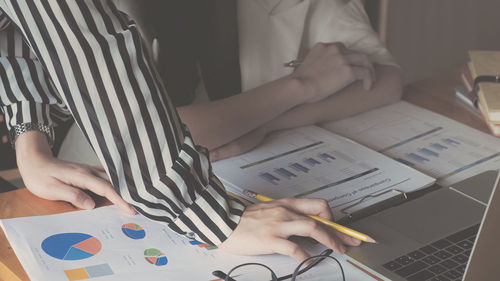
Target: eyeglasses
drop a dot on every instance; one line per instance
(300, 269)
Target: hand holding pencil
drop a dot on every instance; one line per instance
(351, 232)
(265, 228)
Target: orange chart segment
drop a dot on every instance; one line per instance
(151, 260)
(91, 245)
(132, 226)
(129, 226)
(89, 272)
(77, 274)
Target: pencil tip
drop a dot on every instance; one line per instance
(249, 193)
(371, 240)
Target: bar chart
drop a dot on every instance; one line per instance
(311, 162)
(295, 169)
(88, 272)
(299, 168)
(317, 164)
(429, 142)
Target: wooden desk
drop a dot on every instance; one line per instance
(436, 94)
(21, 203)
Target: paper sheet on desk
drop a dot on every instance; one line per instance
(312, 162)
(120, 257)
(431, 143)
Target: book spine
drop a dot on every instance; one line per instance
(468, 81)
(462, 94)
(467, 78)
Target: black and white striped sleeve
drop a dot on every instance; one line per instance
(26, 94)
(4, 20)
(96, 59)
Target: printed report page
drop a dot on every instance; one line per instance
(433, 144)
(105, 244)
(312, 162)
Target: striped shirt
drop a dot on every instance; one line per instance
(86, 57)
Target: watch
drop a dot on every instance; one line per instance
(19, 129)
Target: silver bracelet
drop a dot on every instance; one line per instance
(19, 129)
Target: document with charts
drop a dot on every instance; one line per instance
(105, 244)
(431, 143)
(312, 162)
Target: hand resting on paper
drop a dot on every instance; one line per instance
(50, 178)
(265, 228)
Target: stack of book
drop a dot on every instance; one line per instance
(481, 87)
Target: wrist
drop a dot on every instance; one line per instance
(31, 146)
(20, 129)
(301, 87)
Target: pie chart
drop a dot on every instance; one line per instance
(133, 231)
(155, 256)
(71, 246)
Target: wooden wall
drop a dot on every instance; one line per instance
(432, 36)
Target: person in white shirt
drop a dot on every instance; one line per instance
(224, 100)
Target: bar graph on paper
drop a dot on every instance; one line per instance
(295, 169)
(311, 162)
(431, 143)
(316, 163)
(442, 154)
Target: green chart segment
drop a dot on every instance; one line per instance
(155, 256)
(71, 246)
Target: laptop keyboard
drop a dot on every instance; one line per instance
(443, 260)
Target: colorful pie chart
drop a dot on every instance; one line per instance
(71, 246)
(155, 256)
(133, 231)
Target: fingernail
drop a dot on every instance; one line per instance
(356, 241)
(88, 204)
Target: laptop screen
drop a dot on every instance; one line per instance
(484, 262)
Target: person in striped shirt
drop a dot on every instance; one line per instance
(86, 58)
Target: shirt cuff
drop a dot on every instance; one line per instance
(27, 116)
(20, 129)
(212, 217)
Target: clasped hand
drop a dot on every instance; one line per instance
(330, 67)
(327, 69)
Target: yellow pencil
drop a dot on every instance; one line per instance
(336, 226)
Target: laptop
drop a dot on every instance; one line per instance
(447, 234)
